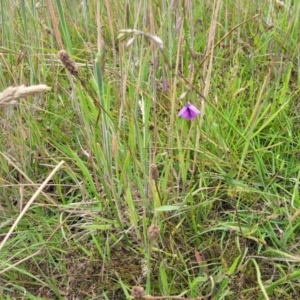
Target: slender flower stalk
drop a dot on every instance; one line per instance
(189, 112)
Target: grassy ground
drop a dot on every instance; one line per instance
(106, 192)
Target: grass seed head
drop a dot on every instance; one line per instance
(138, 293)
(154, 174)
(153, 232)
(68, 62)
(13, 93)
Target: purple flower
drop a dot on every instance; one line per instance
(189, 112)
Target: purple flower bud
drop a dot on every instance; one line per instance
(155, 62)
(165, 84)
(189, 112)
(178, 24)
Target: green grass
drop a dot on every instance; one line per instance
(227, 197)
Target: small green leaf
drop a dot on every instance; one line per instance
(167, 208)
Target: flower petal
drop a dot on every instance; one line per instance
(189, 112)
(182, 112)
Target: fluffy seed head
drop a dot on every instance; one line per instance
(153, 232)
(68, 62)
(154, 174)
(138, 293)
(13, 93)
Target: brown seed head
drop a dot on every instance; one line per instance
(138, 293)
(153, 232)
(68, 62)
(154, 172)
